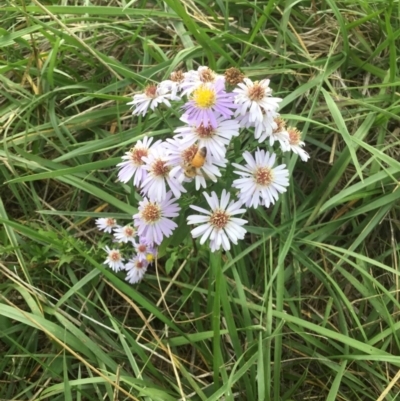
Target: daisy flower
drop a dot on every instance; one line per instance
(125, 234)
(136, 269)
(106, 224)
(260, 183)
(114, 259)
(279, 134)
(145, 250)
(215, 139)
(296, 144)
(133, 166)
(266, 128)
(174, 84)
(193, 79)
(152, 96)
(181, 158)
(207, 102)
(255, 98)
(158, 169)
(218, 224)
(152, 219)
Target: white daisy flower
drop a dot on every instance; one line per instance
(254, 98)
(182, 168)
(267, 126)
(215, 139)
(158, 169)
(114, 259)
(174, 84)
(296, 144)
(152, 220)
(106, 224)
(260, 183)
(279, 134)
(125, 234)
(152, 96)
(218, 225)
(133, 166)
(136, 269)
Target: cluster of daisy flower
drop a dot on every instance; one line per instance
(145, 252)
(215, 110)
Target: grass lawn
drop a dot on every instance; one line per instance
(306, 307)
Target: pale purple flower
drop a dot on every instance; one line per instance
(180, 160)
(260, 184)
(154, 186)
(145, 250)
(254, 98)
(136, 269)
(208, 102)
(152, 220)
(106, 224)
(215, 139)
(152, 96)
(133, 166)
(114, 259)
(125, 234)
(218, 224)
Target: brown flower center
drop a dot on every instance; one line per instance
(110, 222)
(159, 168)
(207, 75)
(129, 231)
(219, 219)
(151, 213)
(189, 153)
(142, 248)
(151, 91)
(115, 256)
(137, 154)
(281, 125)
(139, 264)
(205, 132)
(256, 92)
(264, 176)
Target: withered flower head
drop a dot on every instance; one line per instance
(233, 76)
(177, 76)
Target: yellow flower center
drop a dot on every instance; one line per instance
(204, 97)
(150, 257)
